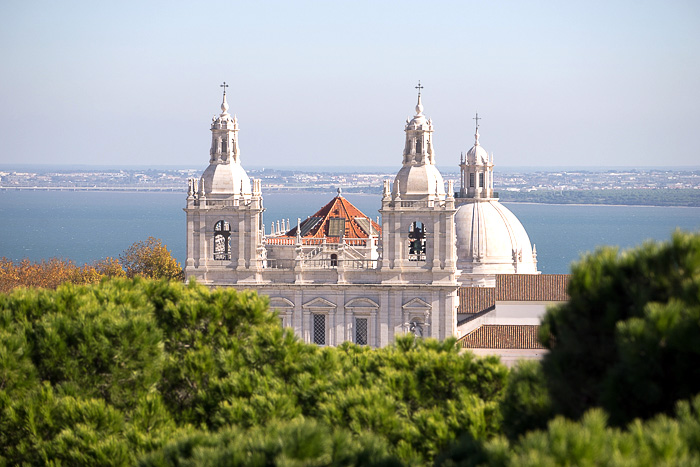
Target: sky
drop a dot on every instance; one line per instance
(314, 83)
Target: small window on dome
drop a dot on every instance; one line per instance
(419, 146)
(481, 180)
(224, 145)
(471, 180)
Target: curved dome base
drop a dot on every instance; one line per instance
(226, 179)
(491, 240)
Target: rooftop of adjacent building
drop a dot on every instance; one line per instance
(502, 336)
(514, 287)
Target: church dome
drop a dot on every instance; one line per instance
(491, 240)
(226, 179)
(419, 180)
(477, 155)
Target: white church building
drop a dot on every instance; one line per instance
(339, 276)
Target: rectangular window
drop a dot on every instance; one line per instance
(319, 329)
(481, 180)
(471, 180)
(361, 334)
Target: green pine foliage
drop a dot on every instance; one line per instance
(626, 338)
(526, 403)
(132, 370)
(661, 440)
(159, 373)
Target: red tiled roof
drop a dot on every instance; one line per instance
(532, 287)
(357, 223)
(476, 299)
(502, 336)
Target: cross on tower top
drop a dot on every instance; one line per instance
(419, 87)
(477, 118)
(224, 86)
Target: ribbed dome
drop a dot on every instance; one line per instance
(491, 240)
(477, 155)
(419, 180)
(226, 179)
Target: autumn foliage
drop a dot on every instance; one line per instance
(150, 259)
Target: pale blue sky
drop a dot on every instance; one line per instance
(589, 83)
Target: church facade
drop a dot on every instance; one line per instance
(338, 275)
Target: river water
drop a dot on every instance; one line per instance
(85, 227)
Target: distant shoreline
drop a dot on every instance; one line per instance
(601, 204)
(277, 190)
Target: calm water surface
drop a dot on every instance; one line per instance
(87, 226)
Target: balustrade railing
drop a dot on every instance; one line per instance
(272, 240)
(311, 264)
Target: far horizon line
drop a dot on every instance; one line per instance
(341, 168)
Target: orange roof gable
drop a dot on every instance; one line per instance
(328, 222)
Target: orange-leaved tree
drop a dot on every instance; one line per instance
(150, 259)
(49, 274)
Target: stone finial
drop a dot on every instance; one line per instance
(387, 188)
(340, 191)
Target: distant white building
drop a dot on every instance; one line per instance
(339, 276)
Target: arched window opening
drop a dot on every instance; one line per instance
(419, 146)
(481, 180)
(222, 241)
(416, 242)
(471, 180)
(334, 260)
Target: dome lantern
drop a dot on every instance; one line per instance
(419, 178)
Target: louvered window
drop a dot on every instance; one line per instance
(361, 334)
(319, 329)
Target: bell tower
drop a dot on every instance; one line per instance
(224, 212)
(417, 214)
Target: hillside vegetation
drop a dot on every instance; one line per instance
(146, 372)
(627, 197)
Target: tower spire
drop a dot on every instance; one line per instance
(419, 105)
(224, 104)
(476, 132)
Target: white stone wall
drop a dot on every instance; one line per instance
(389, 310)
